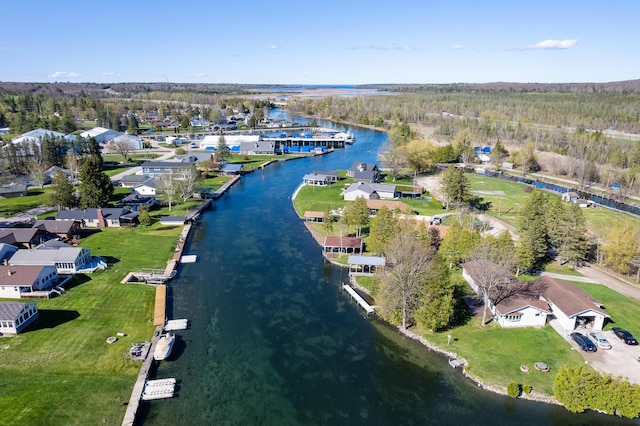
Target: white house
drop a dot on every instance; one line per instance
(520, 311)
(368, 191)
(18, 281)
(15, 316)
(320, 179)
(67, 260)
(211, 141)
(149, 187)
(571, 306)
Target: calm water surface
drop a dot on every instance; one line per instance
(274, 341)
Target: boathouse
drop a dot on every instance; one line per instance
(333, 244)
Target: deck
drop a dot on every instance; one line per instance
(160, 308)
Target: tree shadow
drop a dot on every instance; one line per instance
(479, 204)
(51, 318)
(110, 260)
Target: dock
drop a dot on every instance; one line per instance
(365, 305)
(160, 307)
(177, 324)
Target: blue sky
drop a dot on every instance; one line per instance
(319, 42)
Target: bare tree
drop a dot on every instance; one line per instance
(122, 147)
(403, 282)
(491, 273)
(187, 182)
(37, 168)
(73, 164)
(170, 185)
(394, 160)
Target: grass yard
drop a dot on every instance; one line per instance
(61, 371)
(495, 354)
(506, 207)
(36, 197)
(318, 198)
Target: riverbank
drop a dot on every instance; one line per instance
(533, 396)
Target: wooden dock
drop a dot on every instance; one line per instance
(365, 305)
(161, 304)
(138, 388)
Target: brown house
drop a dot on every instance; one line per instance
(64, 229)
(25, 238)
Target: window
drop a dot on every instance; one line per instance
(513, 317)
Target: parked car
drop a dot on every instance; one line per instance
(624, 335)
(599, 340)
(584, 342)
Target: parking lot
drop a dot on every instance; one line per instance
(620, 360)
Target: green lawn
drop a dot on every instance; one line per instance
(61, 371)
(12, 206)
(495, 354)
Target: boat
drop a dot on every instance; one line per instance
(164, 346)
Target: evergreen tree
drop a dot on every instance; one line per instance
(456, 186)
(328, 220)
(222, 149)
(95, 186)
(62, 193)
(532, 229)
(457, 244)
(437, 304)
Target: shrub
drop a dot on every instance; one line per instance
(527, 389)
(180, 151)
(245, 158)
(513, 389)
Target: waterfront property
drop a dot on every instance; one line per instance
(375, 206)
(366, 264)
(369, 191)
(155, 169)
(21, 281)
(362, 171)
(571, 306)
(311, 216)
(101, 218)
(333, 244)
(320, 178)
(67, 260)
(15, 316)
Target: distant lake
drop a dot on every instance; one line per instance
(273, 340)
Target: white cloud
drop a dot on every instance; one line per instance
(274, 47)
(457, 46)
(64, 74)
(554, 44)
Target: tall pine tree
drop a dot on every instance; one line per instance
(95, 186)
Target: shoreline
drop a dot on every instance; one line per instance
(533, 396)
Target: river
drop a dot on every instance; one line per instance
(274, 341)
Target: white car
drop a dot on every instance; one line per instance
(600, 340)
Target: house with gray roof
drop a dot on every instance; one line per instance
(101, 218)
(369, 191)
(131, 181)
(67, 260)
(20, 281)
(364, 172)
(14, 190)
(155, 169)
(15, 316)
(135, 201)
(320, 178)
(260, 148)
(101, 134)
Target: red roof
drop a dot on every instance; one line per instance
(352, 242)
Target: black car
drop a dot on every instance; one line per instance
(584, 342)
(624, 335)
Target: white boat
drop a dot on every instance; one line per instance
(164, 346)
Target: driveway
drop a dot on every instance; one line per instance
(620, 360)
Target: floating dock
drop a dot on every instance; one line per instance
(159, 389)
(178, 324)
(365, 305)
